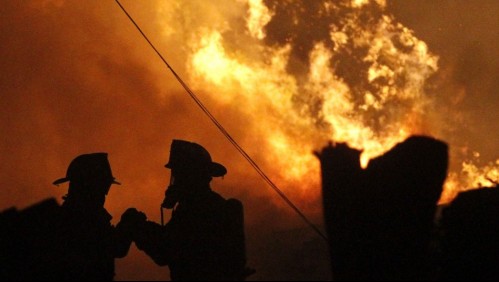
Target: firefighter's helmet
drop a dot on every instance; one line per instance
(87, 167)
(190, 156)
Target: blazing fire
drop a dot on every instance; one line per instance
(284, 77)
(471, 176)
(363, 82)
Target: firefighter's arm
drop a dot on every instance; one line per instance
(124, 231)
(147, 235)
(151, 238)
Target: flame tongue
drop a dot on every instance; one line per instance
(305, 73)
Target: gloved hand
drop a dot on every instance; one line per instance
(131, 221)
(132, 215)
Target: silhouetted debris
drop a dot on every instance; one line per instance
(380, 220)
(470, 241)
(25, 239)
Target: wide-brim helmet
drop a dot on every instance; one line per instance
(189, 156)
(89, 167)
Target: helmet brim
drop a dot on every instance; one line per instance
(60, 181)
(218, 170)
(65, 179)
(215, 169)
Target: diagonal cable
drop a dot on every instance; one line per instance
(224, 131)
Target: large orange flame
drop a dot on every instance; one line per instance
(378, 102)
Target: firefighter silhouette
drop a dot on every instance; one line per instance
(72, 241)
(204, 239)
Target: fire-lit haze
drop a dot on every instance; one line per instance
(283, 78)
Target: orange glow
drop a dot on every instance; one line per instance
(258, 16)
(471, 176)
(360, 3)
(296, 113)
(284, 77)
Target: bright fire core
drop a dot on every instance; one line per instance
(302, 75)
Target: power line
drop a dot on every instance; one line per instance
(224, 131)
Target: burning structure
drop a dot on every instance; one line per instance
(284, 77)
(380, 220)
